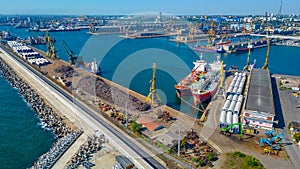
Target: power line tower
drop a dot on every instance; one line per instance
(153, 95)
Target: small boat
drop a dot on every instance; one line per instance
(242, 50)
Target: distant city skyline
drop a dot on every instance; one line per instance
(176, 7)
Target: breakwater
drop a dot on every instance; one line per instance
(49, 118)
(48, 159)
(85, 152)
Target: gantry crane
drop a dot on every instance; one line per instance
(51, 52)
(266, 64)
(153, 95)
(69, 51)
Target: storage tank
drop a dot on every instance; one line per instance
(229, 91)
(235, 97)
(232, 106)
(241, 84)
(229, 97)
(237, 83)
(240, 74)
(233, 81)
(237, 108)
(226, 105)
(244, 74)
(236, 74)
(229, 117)
(222, 119)
(235, 89)
(235, 119)
(240, 90)
(243, 79)
(240, 99)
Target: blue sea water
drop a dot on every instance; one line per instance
(22, 140)
(129, 63)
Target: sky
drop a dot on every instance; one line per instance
(109, 7)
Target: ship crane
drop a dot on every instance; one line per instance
(69, 51)
(153, 95)
(51, 52)
(268, 51)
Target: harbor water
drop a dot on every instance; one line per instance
(22, 139)
(129, 63)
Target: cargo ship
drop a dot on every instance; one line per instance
(202, 83)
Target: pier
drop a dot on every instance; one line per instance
(80, 114)
(76, 114)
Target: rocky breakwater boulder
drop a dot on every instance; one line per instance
(85, 151)
(109, 93)
(66, 136)
(58, 148)
(47, 115)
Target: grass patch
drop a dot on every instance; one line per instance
(239, 160)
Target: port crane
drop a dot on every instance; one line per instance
(51, 52)
(265, 66)
(69, 51)
(153, 95)
(211, 35)
(247, 66)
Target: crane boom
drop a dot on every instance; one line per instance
(51, 52)
(69, 51)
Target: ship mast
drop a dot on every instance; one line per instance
(153, 95)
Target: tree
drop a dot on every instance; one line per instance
(297, 137)
(183, 143)
(209, 156)
(200, 163)
(136, 127)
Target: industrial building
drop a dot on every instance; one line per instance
(259, 110)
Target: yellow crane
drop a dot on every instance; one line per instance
(153, 95)
(222, 77)
(261, 25)
(51, 52)
(265, 66)
(251, 27)
(69, 51)
(192, 32)
(247, 66)
(211, 35)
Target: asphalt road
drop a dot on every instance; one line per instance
(152, 162)
(286, 111)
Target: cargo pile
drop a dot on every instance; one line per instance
(110, 94)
